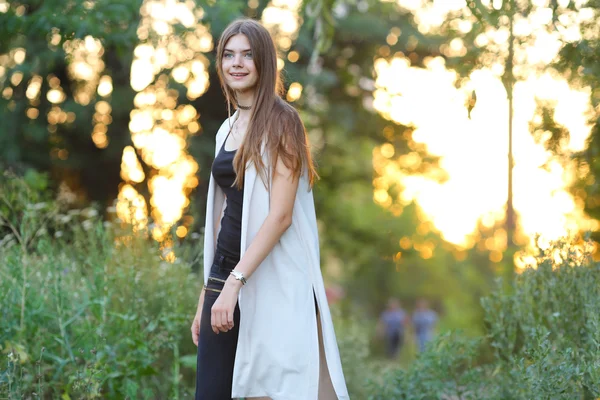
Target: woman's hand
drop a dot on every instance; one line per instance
(196, 323)
(221, 317)
(196, 327)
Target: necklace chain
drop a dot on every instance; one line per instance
(234, 128)
(243, 107)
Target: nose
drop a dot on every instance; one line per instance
(237, 60)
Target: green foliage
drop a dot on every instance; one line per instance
(22, 202)
(543, 334)
(108, 19)
(90, 310)
(353, 342)
(444, 370)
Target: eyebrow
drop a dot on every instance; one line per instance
(243, 51)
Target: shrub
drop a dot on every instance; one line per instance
(544, 335)
(445, 370)
(545, 332)
(88, 310)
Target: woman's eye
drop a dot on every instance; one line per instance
(227, 55)
(248, 55)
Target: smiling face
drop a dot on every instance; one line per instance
(239, 70)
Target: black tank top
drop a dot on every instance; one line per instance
(229, 239)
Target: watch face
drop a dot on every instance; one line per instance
(239, 276)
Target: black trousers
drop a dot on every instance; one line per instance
(216, 353)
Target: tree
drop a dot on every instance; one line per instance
(580, 62)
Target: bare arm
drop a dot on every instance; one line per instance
(279, 219)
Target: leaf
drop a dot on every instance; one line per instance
(189, 360)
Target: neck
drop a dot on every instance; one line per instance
(245, 99)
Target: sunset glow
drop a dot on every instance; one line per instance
(473, 151)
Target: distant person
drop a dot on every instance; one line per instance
(424, 320)
(392, 324)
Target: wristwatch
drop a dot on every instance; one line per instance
(239, 276)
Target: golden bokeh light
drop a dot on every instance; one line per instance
(473, 151)
(16, 78)
(282, 19)
(34, 87)
(280, 63)
(33, 113)
(19, 55)
(294, 92)
(181, 231)
(105, 86)
(56, 96)
(7, 93)
(100, 140)
(159, 126)
(101, 120)
(85, 66)
(293, 56)
(131, 168)
(131, 207)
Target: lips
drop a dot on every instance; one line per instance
(238, 74)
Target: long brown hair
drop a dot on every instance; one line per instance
(273, 121)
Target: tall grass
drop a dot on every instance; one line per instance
(89, 309)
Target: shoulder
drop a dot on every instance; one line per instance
(284, 117)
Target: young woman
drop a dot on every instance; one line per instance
(262, 326)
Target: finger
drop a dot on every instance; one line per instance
(230, 319)
(195, 332)
(226, 324)
(213, 321)
(222, 319)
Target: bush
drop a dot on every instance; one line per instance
(89, 310)
(445, 370)
(543, 333)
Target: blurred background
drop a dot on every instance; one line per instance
(456, 140)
